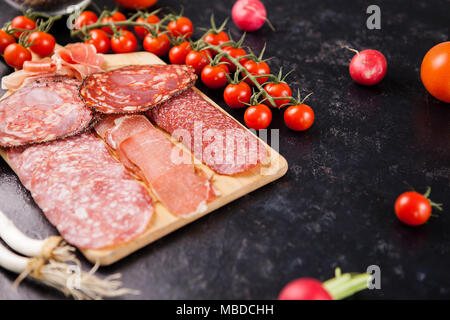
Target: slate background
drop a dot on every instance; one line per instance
(334, 207)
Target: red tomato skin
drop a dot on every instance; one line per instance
(277, 90)
(237, 95)
(181, 27)
(116, 17)
(304, 289)
(44, 43)
(100, 40)
(214, 77)
(125, 43)
(299, 117)
(159, 45)
(178, 53)
(412, 208)
(235, 53)
(136, 4)
(5, 40)
(22, 22)
(258, 117)
(198, 60)
(15, 55)
(368, 67)
(86, 18)
(216, 39)
(141, 32)
(435, 71)
(256, 68)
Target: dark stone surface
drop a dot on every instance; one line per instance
(334, 207)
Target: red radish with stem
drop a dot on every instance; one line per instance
(249, 15)
(340, 287)
(368, 67)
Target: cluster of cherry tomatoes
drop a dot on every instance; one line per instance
(23, 34)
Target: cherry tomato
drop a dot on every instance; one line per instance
(178, 53)
(116, 17)
(258, 117)
(299, 117)
(255, 69)
(43, 43)
(277, 90)
(100, 40)
(124, 43)
(22, 22)
(5, 40)
(435, 71)
(368, 67)
(141, 31)
(180, 27)
(198, 59)
(215, 76)
(85, 18)
(158, 45)
(412, 208)
(15, 55)
(216, 39)
(237, 95)
(235, 53)
(136, 4)
(304, 289)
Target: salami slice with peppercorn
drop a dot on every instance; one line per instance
(44, 110)
(135, 88)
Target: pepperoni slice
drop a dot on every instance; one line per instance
(135, 88)
(44, 110)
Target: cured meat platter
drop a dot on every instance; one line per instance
(226, 187)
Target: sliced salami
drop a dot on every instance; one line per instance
(135, 88)
(213, 137)
(89, 196)
(44, 110)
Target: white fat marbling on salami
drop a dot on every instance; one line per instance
(135, 88)
(44, 110)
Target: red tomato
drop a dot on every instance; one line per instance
(43, 43)
(304, 289)
(100, 40)
(5, 40)
(177, 55)
(237, 95)
(136, 4)
(215, 76)
(198, 59)
(258, 117)
(158, 45)
(278, 90)
(180, 27)
(235, 53)
(22, 22)
(124, 43)
(85, 18)
(255, 69)
(368, 67)
(435, 71)
(412, 208)
(216, 39)
(299, 117)
(141, 31)
(15, 55)
(116, 17)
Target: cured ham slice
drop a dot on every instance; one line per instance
(172, 177)
(44, 110)
(213, 137)
(135, 88)
(90, 197)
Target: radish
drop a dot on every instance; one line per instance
(340, 287)
(368, 67)
(249, 15)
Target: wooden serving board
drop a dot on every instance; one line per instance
(229, 187)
